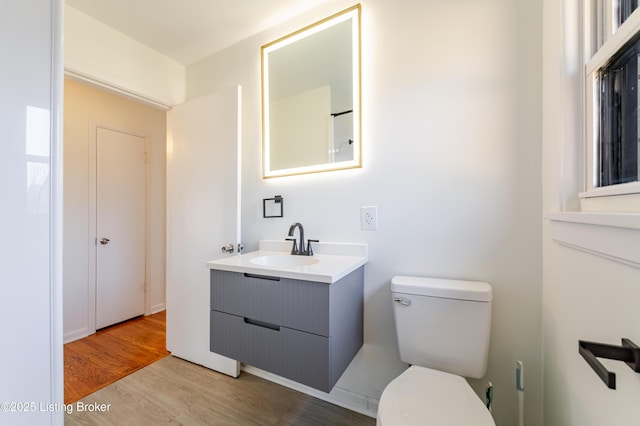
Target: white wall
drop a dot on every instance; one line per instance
(86, 106)
(451, 153)
(103, 56)
(585, 296)
(30, 221)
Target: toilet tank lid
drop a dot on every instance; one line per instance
(477, 291)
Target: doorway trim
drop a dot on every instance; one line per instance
(93, 215)
(111, 87)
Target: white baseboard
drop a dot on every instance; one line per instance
(84, 332)
(341, 397)
(76, 335)
(158, 308)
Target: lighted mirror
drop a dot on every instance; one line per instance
(311, 98)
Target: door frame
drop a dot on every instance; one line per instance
(93, 218)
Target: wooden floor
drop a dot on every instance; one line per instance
(176, 392)
(173, 391)
(111, 354)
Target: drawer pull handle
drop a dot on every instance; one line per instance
(261, 277)
(262, 324)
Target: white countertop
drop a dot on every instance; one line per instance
(334, 261)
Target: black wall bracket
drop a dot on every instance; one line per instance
(627, 352)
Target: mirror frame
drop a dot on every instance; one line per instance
(352, 13)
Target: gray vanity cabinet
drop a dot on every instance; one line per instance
(303, 330)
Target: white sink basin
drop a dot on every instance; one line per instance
(329, 263)
(284, 261)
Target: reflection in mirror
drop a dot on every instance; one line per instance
(311, 98)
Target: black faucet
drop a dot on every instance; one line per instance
(299, 249)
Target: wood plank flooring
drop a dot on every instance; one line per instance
(116, 367)
(176, 392)
(111, 354)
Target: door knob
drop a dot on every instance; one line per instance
(228, 248)
(104, 241)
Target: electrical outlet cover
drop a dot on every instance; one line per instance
(369, 218)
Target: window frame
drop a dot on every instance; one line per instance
(603, 38)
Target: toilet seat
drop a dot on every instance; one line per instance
(422, 396)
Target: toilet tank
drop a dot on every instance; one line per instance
(443, 324)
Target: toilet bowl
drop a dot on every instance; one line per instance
(423, 396)
(443, 329)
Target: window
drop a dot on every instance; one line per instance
(617, 143)
(625, 8)
(612, 98)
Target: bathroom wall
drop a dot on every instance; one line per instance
(108, 58)
(585, 296)
(452, 159)
(84, 105)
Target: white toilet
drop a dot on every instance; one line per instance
(443, 329)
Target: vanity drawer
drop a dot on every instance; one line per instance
(299, 356)
(297, 304)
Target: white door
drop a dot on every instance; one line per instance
(120, 226)
(203, 214)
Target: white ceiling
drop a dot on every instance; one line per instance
(189, 30)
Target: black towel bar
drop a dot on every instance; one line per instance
(627, 352)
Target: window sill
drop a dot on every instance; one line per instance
(613, 190)
(613, 236)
